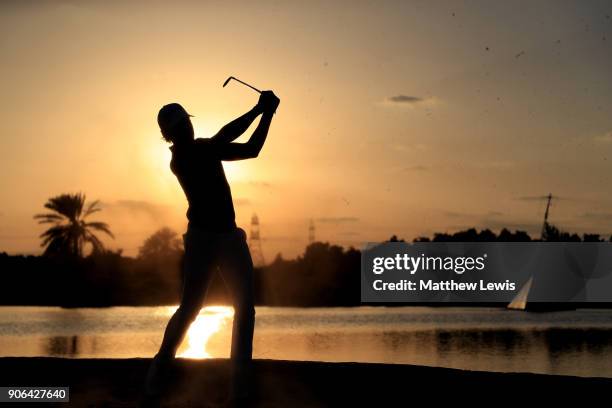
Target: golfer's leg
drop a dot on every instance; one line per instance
(198, 266)
(236, 269)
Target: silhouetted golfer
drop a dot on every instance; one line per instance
(212, 241)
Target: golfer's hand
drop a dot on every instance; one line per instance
(268, 102)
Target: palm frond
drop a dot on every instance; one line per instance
(98, 246)
(68, 205)
(92, 208)
(81, 198)
(58, 232)
(49, 218)
(99, 226)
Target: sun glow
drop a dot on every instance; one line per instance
(157, 161)
(210, 321)
(233, 170)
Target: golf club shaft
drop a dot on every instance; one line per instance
(244, 83)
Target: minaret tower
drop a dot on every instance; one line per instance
(255, 243)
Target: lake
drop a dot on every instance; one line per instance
(575, 342)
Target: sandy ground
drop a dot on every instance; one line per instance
(203, 383)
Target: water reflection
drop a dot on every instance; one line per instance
(210, 321)
(213, 322)
(63, 346)
(573, 343)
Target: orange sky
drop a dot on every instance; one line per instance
(396, 118)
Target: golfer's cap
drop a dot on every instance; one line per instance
(171, 114)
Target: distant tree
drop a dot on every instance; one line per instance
(469, 235)
(324, 275)
(473, 235)
(163, 243)
(71, 230)
(278, 259)
(592, 238)
(553, 234)
(506, 235)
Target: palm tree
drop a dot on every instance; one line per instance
(70, 230)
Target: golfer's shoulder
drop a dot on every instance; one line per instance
(205, 144)
(186, 151)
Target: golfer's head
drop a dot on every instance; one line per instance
(174, 123)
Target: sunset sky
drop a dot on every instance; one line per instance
(396, 117)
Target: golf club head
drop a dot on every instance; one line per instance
(242, 82)
(227, 80)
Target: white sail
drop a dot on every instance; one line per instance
(520, 300)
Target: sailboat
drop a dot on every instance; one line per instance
(520, 300)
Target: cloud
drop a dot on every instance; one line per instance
(454, 214)
(606, 138)
(133, 220)
(136, 207)
(533, 198)
(260, 184)
(410, 101)
(605, 216)
(417, 167)
(282, 238)
(337, 220)
(495, 165)
(405, 99)
(545, 197)
(350, 233)
(410, 148)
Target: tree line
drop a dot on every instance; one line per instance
(324, 275)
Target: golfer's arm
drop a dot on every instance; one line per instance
(236, 127)
(250, 149)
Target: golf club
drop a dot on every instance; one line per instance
(242, 82)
